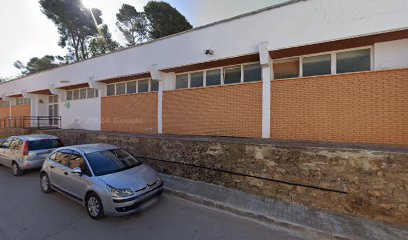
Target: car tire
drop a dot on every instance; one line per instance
(16, 170)
(94, 206)
(45, 183)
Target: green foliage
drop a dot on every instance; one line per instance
(36, 64)
(103, 44)
(75, 24)
(132, 24)
(164, 20)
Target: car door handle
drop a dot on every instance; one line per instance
(65, 173)
(51, 166)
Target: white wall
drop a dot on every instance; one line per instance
(391, 55)
(297, 24)
(81, 114)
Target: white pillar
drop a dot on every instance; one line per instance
(266, 64)
(158, 76)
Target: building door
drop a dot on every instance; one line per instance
(53, 110)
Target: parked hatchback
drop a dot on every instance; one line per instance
(27, 152)
(104, 178)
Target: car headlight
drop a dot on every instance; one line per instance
(120, 193)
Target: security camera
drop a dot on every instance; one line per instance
(209, 52)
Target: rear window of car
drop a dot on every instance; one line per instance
(44, 144)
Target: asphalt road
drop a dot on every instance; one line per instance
(28, 214)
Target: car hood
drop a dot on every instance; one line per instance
(135, 178)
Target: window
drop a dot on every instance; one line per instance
(110, 90)
(6, 143)
(131, 87)
(232, 75)
(317, 65)
(76, 160)
(213, 77)
(197, 79)
(76, 94)
(154, 85)
(353, 61)
(82, 93)
(90, 93)
(120, 88)
(182, 81)
(252, 73)
(63, 157)
(143, 86)
(16, 144)
(69, 95)
(4, 104)
(44, 144)
(288, 68)
(22, 101)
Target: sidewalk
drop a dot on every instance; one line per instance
(312, 222)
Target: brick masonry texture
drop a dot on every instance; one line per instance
(375, 182)
(234, 110)
(21, 111)
(4, 112)
(130, 113)
(369, 107)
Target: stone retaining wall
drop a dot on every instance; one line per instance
(370, 184)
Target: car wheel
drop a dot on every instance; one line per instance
(16, 170)
(45, 183)
(94, 206)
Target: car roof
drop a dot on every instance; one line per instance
(90, 148)
(35, 137)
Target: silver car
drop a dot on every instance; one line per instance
(27, 152)
(104, 178)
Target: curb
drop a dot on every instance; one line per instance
(304, 230)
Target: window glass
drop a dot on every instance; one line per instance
(110, 90)
(111, 161)
(197, 79)
(353, 61)
(182, 81)
(154, 85)
(120, 88)
(16, 144)
(82, 93)
(252, 73)
(69, 95)
(76, 94)
(131, 87)
(6, 143)
(287, 68)
(63, 157)
(76, 160)
(90, 93)
(96, 92)
(44, 144)
(213, 77)
(232, 75)
(317, 65)
(143, 86)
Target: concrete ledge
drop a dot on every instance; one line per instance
(312, 222)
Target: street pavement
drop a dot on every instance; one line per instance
(28, 214)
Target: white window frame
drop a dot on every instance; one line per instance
(149, 80)
(222, 83)
(333, 61)
(96, 94)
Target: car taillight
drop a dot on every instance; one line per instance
(25, 149)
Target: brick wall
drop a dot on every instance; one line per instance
(234, 110)
(4, 112)
(369, 107)
(21, 111)
(135, 113)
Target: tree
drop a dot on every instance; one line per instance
(164, 20)
(36, 64)
(74, 22)
(132, 24)
(103, 44)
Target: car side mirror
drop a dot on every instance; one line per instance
(77, 171)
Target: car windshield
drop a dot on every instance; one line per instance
(44, 144)
(111, 161)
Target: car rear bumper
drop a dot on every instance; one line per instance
(128, 207)
(35, 164)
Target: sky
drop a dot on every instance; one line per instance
(26, 32)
